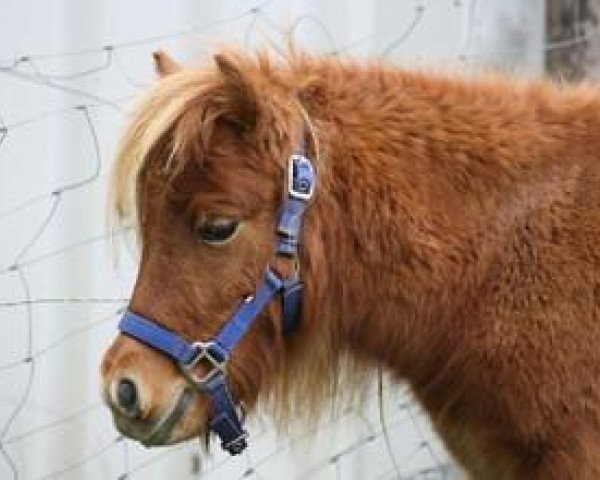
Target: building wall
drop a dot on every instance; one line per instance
(572, 40)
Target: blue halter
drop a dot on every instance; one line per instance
(226, 421)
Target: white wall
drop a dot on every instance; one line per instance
(60, 245)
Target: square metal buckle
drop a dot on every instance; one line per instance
(301, 177)
(204, 355)
(238, 444)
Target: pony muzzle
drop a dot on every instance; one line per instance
(162, 431)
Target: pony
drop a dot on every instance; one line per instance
(453, 240)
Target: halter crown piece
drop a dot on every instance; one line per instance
(226, 422)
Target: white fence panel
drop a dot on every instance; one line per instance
(69, 71)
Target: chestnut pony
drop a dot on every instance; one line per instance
(453, 239)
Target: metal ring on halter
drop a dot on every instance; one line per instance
(300, 177)
(213, 355)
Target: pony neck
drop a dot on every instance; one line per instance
(409, 216)
(397, 272)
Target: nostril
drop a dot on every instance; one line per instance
(127, 397)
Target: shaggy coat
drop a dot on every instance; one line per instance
(454, 240)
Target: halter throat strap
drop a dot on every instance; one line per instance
(213, 356)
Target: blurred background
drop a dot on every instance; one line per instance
(70, 72)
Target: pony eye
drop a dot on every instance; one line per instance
(217, 231)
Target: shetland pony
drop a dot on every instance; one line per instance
(453, 239)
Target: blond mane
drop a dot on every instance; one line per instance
(181, 109)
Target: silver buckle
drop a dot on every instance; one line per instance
(204, 355)
(237, 445)
(300, 191)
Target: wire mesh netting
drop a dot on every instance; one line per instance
(61, 110)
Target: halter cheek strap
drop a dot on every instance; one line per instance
(226, 422)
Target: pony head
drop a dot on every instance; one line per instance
(201, 170)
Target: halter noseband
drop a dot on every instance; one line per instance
(226, 422)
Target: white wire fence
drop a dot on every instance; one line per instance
(68, 77)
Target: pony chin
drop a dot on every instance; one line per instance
(187, 425)
(191, 425)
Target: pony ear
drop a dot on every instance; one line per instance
(164, 64)
(245, 105)
(228, 68)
